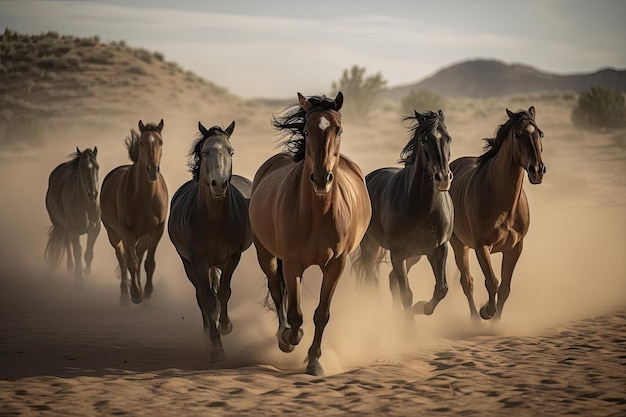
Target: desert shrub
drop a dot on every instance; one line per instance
(90, 41)
(421, 101)
(600, 107)
(67, 62)
(137, 69)
(361, 93)
(104, 57)
(144, 55)
(159, 56)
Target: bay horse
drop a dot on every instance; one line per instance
(72, 205)
(412, 214)
(492, 213)
(209, 227)
(134, 201)
(309, 206)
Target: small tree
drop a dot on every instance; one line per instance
(600, 107)
(421, 101)
(361, 92)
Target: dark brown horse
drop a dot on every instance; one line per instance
(209, 227)
(309, 206)
(134, 208)
(72, 204)
(491, 209)
(412, 214)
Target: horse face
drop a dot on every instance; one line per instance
(436, 156)
(88, 169)
(216, 164)
(529, 147)
(150, 151)
(322, 131)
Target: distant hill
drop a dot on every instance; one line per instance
(491, 78)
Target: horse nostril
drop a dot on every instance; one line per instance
(544, 169)
(213, 183)
(329, 177)
(158, 169)
(531, 169)
(312, 177)
(437, 176)
(224, 185)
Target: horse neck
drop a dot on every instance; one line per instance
(506, 175)
(419, 187)
(214, 209)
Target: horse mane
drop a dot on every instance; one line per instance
(290, 124)
(493, 145)
(417, 131)
(75, 157)
(132, 142)
(195, 151)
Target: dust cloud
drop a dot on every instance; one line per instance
(573, 266)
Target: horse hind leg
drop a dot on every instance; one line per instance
(509, 260)
(92, 235)
(150, 264)
(68, 252)
(366, 263)
(437, 260)
(461, 258)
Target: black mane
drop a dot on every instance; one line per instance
(75, 157)
(493, 145)
(290, 124)
(432, 121)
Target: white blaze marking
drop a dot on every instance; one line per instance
(324, 123)
(531, 129)
(151, 138)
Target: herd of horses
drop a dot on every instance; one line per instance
(307, 205)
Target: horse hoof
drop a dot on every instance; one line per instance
(136, 298)
(148, 291)
(485, 314)
(225, 329)
(218, 354)
(314, 368)
(423, 307)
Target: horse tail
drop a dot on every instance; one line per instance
(55, 248)
(366, 270)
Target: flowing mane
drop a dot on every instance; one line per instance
(419, 131)
(195, 152)
(290, 124)
(493, 145)
(132, 142)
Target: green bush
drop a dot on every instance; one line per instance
(421, 101)
(600, 107)
(361, 93)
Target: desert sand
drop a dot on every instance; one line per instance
(69, 348)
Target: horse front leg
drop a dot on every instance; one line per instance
(483, 254)
(292, 277)
(92, 235)
(68, 251)
(406, 295)
(437, 261)
(132, 263)
(461, 258)
(150, 264)
(332, 273)
(224, 291)
(509, 260)
(78, 254)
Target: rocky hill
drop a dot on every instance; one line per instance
(490, 78)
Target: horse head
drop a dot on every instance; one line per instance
(213, 154)
(322, 133)
(88, 169)
(150, 148)
(431, 144)
(527, 144)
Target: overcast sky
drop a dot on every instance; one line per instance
(276, 48)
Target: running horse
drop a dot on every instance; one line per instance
(134, 207)
(412, 214)
(492, 213)
(72, 204)
(209, 227)
(309, 206)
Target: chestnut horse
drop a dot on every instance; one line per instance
(412, 214)
(209, 228)
(134, 208)
(72, 204)
(309, 206)
(491, 208)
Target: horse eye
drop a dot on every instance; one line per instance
(340, 132)
(306, 133)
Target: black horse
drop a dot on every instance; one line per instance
(209, 228)
(412, 214)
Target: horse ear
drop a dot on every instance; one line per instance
(229, 130)
(339, 101)
(531, 111)
(419, 117)
(77, 151)
(95, 151)
(160, 125)
(442, 116)
(141, 126)
(510, 114)
(304, 103)
(203, 130)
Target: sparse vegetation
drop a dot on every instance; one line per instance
(600, 107)
(361, 93)
(421, 101)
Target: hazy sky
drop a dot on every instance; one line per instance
(276, 48)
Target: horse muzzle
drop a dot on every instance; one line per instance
(153, 172)
(322, 183)
(536, 173)
(443, 182)
(218, 189)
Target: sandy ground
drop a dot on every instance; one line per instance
(69, 348)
